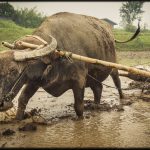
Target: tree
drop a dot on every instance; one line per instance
(6, 10)
(28, 17)
(130, 11)
(145, 27)
(24, 17)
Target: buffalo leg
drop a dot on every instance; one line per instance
(78, 97)
(28, 91)
(115, 76)
(97, 91)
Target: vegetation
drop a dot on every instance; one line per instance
(24, 17)
(10, 32)
(28, 17)
(6, 10)
(129, 12)
(141, 43)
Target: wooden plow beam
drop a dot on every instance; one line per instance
(133, 73)
(131, 70)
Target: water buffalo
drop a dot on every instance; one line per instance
(80, 34)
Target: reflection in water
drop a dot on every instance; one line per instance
(135, 126)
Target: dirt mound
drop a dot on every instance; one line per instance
(8, 132)
(145, 89)
(28, 127)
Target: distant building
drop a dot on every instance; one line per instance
(110, 22)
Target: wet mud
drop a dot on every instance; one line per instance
(8, 132)
(52, 122)
(28, 127)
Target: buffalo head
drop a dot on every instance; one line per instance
(12, 64)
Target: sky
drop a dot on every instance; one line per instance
(96, 9)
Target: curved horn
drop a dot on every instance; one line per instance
(25, 54)
(6, 44)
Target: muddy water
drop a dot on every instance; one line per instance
(128, 128)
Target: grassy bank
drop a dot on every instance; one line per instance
(141, 43)
(9, 32)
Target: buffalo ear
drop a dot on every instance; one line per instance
(50, 58)
(46, 71)
(6, 106)
(8, 45)
(54, 56)
(46, 59)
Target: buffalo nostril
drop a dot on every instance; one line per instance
(4, 106)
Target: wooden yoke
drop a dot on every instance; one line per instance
(105, 63)
(131, 70)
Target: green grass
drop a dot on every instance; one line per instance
(9, 32)
(141, 43)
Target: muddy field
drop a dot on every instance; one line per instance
(53, 122)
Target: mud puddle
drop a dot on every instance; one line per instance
(54, 124)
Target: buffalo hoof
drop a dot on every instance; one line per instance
(6, 106)
(120, 108)
(127, 102)
(92, 106)
(19, 116)
(77, 118)
(95, 106)
(122, 96)
(80, 118)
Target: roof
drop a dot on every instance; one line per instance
(109, 21)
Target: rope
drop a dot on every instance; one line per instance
(34, 36)
(106, 84)
(8, 97)
(38, 38)
(71, 60)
